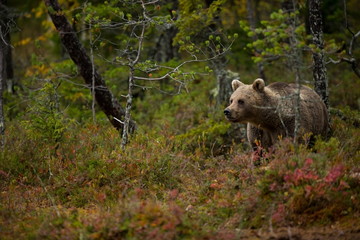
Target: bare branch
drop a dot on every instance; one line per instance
(174, 70)
(141, 39)
(352, 61)
(151, 2)
(355, 36)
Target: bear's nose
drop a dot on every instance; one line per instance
(227, 112)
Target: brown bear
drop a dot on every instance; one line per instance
(269, 111)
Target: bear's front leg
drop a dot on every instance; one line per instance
(259, 140)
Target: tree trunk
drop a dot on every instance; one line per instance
(129, 98)
(223, 85)
(8, 72)
(4, 64)
(295, 62)
(9, 64)
(251, 12)
(288, 5)
(165, 50)
(319, 67)
(107, 102)
(223, 78)
(2, 78)
(219, 64)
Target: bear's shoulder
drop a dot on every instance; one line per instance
(278, 85)
(281, 88)
(290, 86)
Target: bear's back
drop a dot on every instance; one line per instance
(313, 110)
(285, 89)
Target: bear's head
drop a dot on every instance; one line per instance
(245, 101)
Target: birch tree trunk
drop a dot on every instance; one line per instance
(105, 99)
(131, 82)
(319, 67)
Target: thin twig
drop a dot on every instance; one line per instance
(166, 75)
(47, 193)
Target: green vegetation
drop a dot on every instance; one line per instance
(169, 185)
(186, 172)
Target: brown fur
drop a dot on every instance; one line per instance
(269, 111)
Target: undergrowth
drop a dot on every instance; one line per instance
(189, 180)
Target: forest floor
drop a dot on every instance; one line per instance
(167, 186)
(323, 233)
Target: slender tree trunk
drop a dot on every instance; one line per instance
(4, 49)
(5, 22)
(295, 62)
(107, 102)
(129, 98)
(9, 64)
(251, 12)
(93, 77)
(2, 78)
(2, 118)
(131, 82)
(319, 67)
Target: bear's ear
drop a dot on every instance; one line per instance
(235, 84)
(259, 85)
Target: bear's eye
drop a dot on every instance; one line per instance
(241, 102)
(231, 101)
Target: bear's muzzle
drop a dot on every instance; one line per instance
(227, 112)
